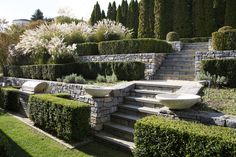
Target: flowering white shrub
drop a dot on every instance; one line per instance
(54, 38)
(111, 30)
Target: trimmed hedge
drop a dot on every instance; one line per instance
(89, 48)
(134, 46)
(225, 40)
(172, 36)
(90, 70)
(221, 67)
(159, 136)
(68, 119)
(9, 99)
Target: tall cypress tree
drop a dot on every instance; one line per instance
(119, 15)
(203, 18)
(113, 16)
(219, 9)
(146, 19)
(124, 10)
(109, 11)
(103, 14)
(230, 13)
(163, 18)
(96, 14)
(182, 23)
(132, 20)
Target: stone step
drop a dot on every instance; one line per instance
(178, 61)
(163, 77)
(179, 58)
(177, 68)
(156, 86)
(114, 141)
(175, 64)
(175, 72)
(141, 101)
(148, 93)
(118, 130)
(124, 119)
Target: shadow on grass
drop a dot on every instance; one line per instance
(97, 149)
(8, 148)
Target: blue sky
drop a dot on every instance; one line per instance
(18, 9)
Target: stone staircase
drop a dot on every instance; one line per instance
(140, 103)
(180, 65)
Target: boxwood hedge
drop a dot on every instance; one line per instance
(224, 40)
(89, 48)
(9, 99)
(90, 70)
(68, 119)
(159, 136)
(128, 46)
(221, 67)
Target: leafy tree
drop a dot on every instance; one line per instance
(66, 19)
(163, 11)
(38, 15)
(230, 13)
(146, 19)
(119, 17)
(182, 23)
(133, 17)
(96, 14)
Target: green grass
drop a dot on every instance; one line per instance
(222, 100)
(27, 142)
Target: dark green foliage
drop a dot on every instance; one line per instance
(9, 99)
(96, 14)
(196, 39)
(134, 46)
(159, 136)
(225, 28)
(146, 19)
(133, 17)
(119, 17)
(203, 18)
(224, 67)
(89, 48)
(68, 119)
(182, 20)
(230, 13)
(224, 40)
(219, 9)
(111, 12)
(38, 15)
(66, 19)
(124, 11)
(163, 18)
(172, 36)
(103, 14)
(90, 70)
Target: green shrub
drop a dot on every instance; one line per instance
(80, 79)
(160, 136)
(67, 119)
(221, 68)
(224, 40)
(225, 28)
(9, 99)
(89, 48)
(172, 36)
(70, 78)
(134, 46)
(90, 70)
(111, 78)
(196, 39)
(101, 78)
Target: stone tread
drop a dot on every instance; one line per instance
(147, 110)
(154, 84)
(143, 91)
(125, 116)
(113, 139)
(143, 100)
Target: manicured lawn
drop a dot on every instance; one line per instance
(27, 142)
(222, 100)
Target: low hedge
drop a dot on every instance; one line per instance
(89, 48)
(221, 67)
(172, 36)
(128, 46)
(224, 40)
(9, 99)
(160, 136)
(196, 39)
(90, 70)
(68, 119)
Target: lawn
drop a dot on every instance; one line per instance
(26, 142)
(222, 100)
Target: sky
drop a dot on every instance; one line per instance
(24, 9)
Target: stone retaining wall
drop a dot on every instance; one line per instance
(152, 61)
(212, 55)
